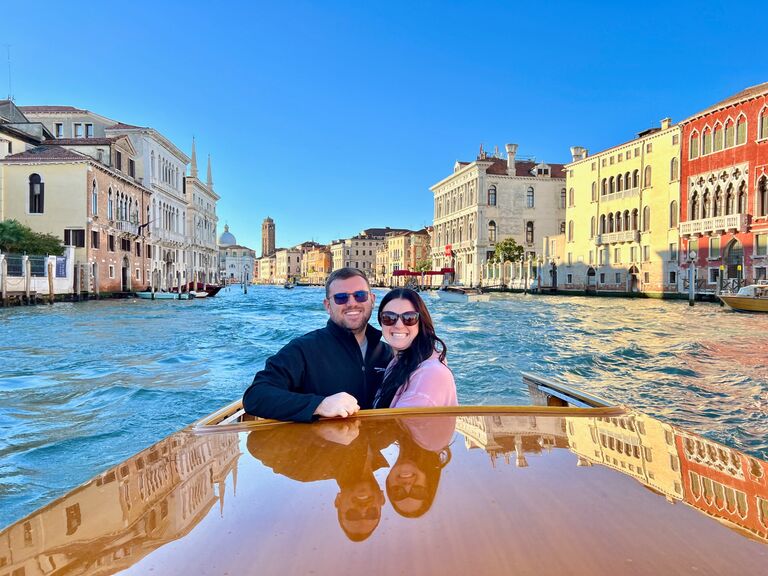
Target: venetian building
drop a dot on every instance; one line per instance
(316, 265)
(287, 264)
(236, 262)
(359, 251)
(267, 237)
(488, 200)
(159, 165)
(203, 253)
(724, 204)
(621, 232)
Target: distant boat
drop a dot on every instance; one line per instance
(163, 295)
(290, 284)
(199, 294)
(752, 298)
(456, 293)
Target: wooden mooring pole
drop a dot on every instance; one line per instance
(50, 282)
(4, 281)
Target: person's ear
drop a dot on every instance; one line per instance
(327, 305)
(373, 297)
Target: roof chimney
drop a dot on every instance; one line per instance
(666, 123)
(578, 153)
(511, 151)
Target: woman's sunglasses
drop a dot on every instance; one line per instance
(390, 318)
(343, 297)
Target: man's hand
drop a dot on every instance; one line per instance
(338, 431)
(341, 404)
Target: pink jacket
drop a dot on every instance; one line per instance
(431, 384)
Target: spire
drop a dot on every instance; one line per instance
(210, 178)
(194, 159)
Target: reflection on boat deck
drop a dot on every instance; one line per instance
(572, 492)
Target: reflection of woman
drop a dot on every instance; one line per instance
(412, 483)
(417, 375)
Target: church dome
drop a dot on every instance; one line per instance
(227, 238)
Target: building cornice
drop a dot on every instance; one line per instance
(628, 144)
(152, 133)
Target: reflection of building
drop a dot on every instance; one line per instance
(505, 435)
(489, 200)
(724, 483)
(633, 444)
(128, 511)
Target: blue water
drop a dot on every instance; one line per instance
(85, 385)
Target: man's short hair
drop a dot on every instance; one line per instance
(343, 274)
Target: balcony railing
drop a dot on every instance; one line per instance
(628, 193)
(127, 226)
(735, 222)
(616, 237)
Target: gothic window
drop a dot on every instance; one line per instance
(570, 197)
(718, 138)
(706, 205)
(695, 206)
(628, 181)
(762, 197)
(620, 183)
(730, 133)
(674, 169)
(94, 199)
(741, 130)
(647, 182)
(594, 193)
(673, 214)
(742, 198)
(592, 228)
(529, 232)
(694, 146)
(618, 221)
(610, 223)
(492, 196)
(626, 220)
(717, 202)
(636, 179)
(763, 123)
(36, 194)
(730, 199)
(706, 141)
(611, 185)
(110, 205)
(491, 231)
(604, 187)
(635, 216)
(602, 224)
(529, 198)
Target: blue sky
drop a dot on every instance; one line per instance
(333, 116)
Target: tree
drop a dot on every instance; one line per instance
(16, 237)
(508, 251)
(423, 265)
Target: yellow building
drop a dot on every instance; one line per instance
(316, 265)
(622, 216)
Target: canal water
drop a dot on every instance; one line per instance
(85, 385)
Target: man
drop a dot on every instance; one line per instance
(330, 372)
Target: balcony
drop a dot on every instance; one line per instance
(628, 193)
(731, 222)
(617, 237)
(127, 227)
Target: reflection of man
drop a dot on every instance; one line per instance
(345, 451)
(330, 372)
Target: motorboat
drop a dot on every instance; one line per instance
(198, 294)
(571, 485)
(458, 293)
(289, 285)
(751, 298)
(149, 295)
(210, 289)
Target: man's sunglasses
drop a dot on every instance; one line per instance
(353, 514)
(390, 318)
(343, 297)
(398, 493)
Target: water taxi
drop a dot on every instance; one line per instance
(568, 486)
(461, 294)
(752, 298)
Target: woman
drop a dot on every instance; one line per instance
(417, 375)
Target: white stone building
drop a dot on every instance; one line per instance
(203, 253)
(489, 200)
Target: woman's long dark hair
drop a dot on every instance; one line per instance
(422, 347)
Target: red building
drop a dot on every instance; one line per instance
(724, 189)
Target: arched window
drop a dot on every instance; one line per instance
(636, 179)
(570, 197)
(742, 198)
(594, 191)
(730, 133)
(762, 197)
(717, 202)
(529, 232)
(562, 198)
(706, 141)
(592, 227)
(635, 216)
(604, 187)
(610, 223)
(628, 180)
(695, 206)
(674, 169)
(620, 183)
(529, 198)
(36, 194)
(646, 218)
(570, 231)
(110, 206)
(717, 138)
(602, 224)
(673, 214)
(763, 122)
(491, 231)
(741, 130)
(626, 220)
(94, 199)
(618, 221)
(647, 182)
(730, 200)
(694, 146)
(611, 185)
(492, 196)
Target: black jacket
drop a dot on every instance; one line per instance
(321, 363)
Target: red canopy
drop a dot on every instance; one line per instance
(426, 272)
